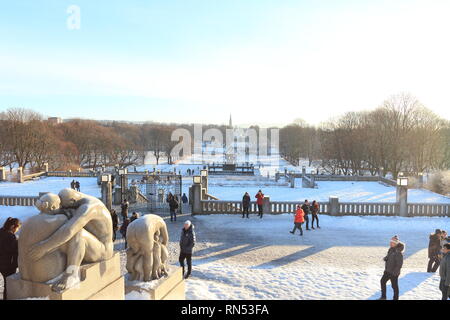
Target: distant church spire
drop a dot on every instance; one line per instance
(230, 124)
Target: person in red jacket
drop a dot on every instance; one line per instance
(259, 201)
(298, 220)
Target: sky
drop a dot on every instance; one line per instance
(265, 62)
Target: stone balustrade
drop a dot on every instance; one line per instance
(332, 207)
(27, 201)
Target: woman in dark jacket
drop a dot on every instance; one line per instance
(187, 243)
(245, 204)
(8, 249)
(434, 249)
(115, 223)
(314, 213)
(393, 265)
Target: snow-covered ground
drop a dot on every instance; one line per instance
(226, 189)
(48, 184)
(256, 258)
(259, 259)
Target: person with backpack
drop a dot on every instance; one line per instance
(306, 208)
(245, 204)
(393, 266)
(298, 220)
(9, 251)
(314, 213)
(259, 201)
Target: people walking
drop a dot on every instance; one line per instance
(393, 266)
(124, 206)
(187, 243)
(173, 206)
(444, 272)
(259, 201)
(245, 204)
(306, 208)
(77, 186)
(72, 185)
(8, 250)
(115, 223)
(315, 213)
(298, 220)
(123, 229)
(434, 249)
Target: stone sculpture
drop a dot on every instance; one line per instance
(147, 254)
(72, 228)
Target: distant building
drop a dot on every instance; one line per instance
(54, 120)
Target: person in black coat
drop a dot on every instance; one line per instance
(123, 229)
(187, 243)
(434, 249)
(134, 216)
(444, 272)
(306, 210)
(77, 185)
(115, 223)
(184, 198)
(124, 206)
(8, 250)
(393, 265)
(245, 204)
(173, 206)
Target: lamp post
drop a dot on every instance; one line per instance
(204, 177)
(107, 191)
(402, 195)
(123, 183)
(420, 179)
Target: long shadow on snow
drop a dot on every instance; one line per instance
(407, 283)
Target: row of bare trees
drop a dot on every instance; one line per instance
(28, 140)
(399, 136)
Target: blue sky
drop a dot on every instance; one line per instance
(265, 62)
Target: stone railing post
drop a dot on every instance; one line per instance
(334, 206)
(196, 192)
(2, 174)
(402, 200)
(20, 174)
(46, 167)
(267, 208)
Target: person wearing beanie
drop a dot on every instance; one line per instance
(434, 249)
(393, 265)
(187, 243)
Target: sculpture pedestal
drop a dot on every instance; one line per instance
(171, 287)
(99, 281)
